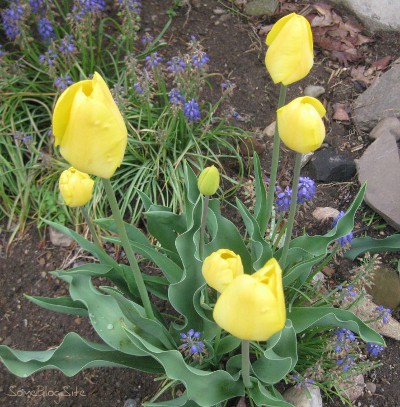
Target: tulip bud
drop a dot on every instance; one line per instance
(300, 124)
(76, 187)
(208, 181)
(221, 267)
(89, 128)
(290, 56)
(252, 307)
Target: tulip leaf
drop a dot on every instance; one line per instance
(263, 397)
(192, 192)
(327, 317)
(153, 330)
(279, 360)
(261, 251)
(71, 356)
(227, 344)
(64, 305)
(368, 244)
(317, 245)
(260, 206)
(181, 401)
(300, 270)
(203, 387)
(220, 228)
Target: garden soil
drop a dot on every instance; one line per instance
(236, 50)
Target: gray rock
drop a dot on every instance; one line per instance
(328, 166)
(370, 387)
(379, 166)
(261, 7)
(380, 100)
(314, 91)
(376, 15)
(386, 287)
(390, 126)
(353, 388)
(59, 238)
(300, 397)
(131, 403)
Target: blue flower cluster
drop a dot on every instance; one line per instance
(344, 240)
(374, 349)
(192, 346)
(343, 338)
(48, 58)
(192, 111)
(200, 59)
(12, 19)
(132, 5)
(306, 190)
(153, 59)
(175, 97)
(346, 362)
(283, 199)
(347, 291)
(45, 29)
(176, 64)
(37, 6)
(63, 82)
(383, 313)
(67, 45)
(302, 382)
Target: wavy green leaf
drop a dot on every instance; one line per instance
(362, 245)
(64, 305)
(263, 397)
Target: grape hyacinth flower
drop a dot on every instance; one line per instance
(344, 240)
(92, 6)
(228, 87)
(175, 65)
(374, 349)
(12, 20)
(146, 39)
(175, 97)
(37, 6)
(48, 58)
(347, 291)
(153, 60)
(138, 87)
(346, 363)
(199, 59)
(67, 45)
(132, 5)
(46, 31)
(302, 382)
(343, 338)
(63, 82)
(192, 346)
(283, 199)
(306, 190)
(383, 313)
(192, 111)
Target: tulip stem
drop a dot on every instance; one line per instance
(91, 227)
(293, 207)
(246, 364)
(130, 254)
(275, 159)
(203, 226)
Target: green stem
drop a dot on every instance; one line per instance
(246, 364)
(130, 254)
(203, 226)
(293, 207)
(92, 229)
(275, 158)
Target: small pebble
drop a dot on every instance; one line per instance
(371, 387)
(314, 91)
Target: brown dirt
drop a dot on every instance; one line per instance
(236, 52)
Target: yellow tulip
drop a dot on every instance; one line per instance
(221, 267)
(76, 187)
(89, 128)
(252, 307)
(300, 124)
(208, 181)
(290, 56)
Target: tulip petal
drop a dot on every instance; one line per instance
(248, 310)
(319, 107)
(277, 27)
(94, 140)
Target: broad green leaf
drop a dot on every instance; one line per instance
(204, 387)
(326, 317)
(64, 305)
(227, 344)
(279, 360)
(362, 245)
(301, 270)
(71, 356)
(263, 397)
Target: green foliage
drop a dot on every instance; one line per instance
(156, 344)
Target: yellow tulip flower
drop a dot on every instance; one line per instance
(221, 267)
(252, 307)
(300, 124)
(89, 128)
(290, 56)
(208, 181)
(76, 187)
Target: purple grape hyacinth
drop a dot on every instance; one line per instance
(374, 349)
(192, 346)
(344, 240)
(12, 19)
(192, 111)
(306, 190)
(283, 199)
(175, 97)
(45, 29)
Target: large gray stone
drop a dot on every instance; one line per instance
(376, 14)
(380, 168)
(380, 100)
(301, 397)
(390, 126)
(385, 289)
(261, 7)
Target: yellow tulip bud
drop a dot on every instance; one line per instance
(89, 128)
(221, 267)
(300, 124)
(252, 307)
(290, 56)
(208, 181)
(76, 187)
